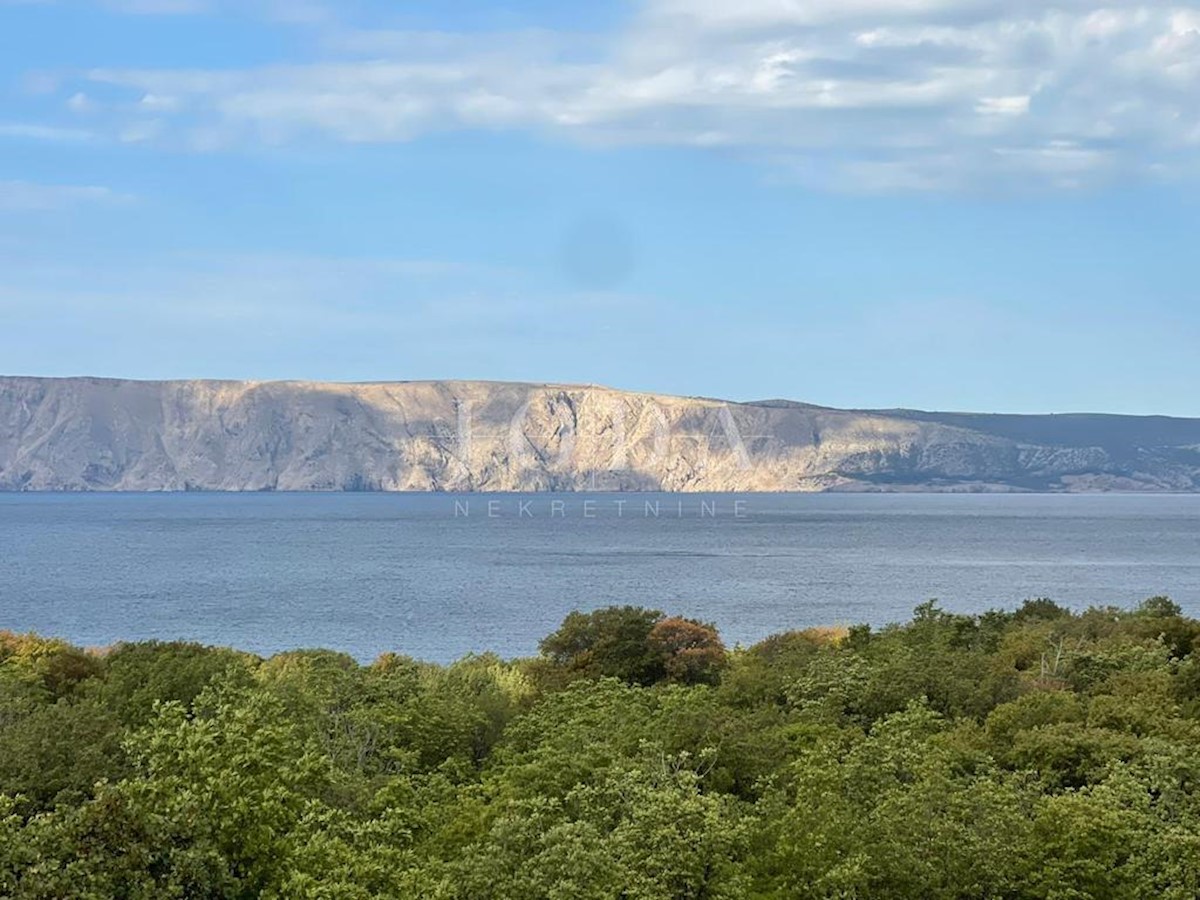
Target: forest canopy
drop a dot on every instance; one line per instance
(1037, 753)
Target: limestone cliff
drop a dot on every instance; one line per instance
(102, 434)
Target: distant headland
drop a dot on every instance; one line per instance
(94, 434)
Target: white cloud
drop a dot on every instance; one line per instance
(288, 12)
(159, 103)
(28, 196)
(157, 7)
(880, 94)
(37, 132)
(761, 14)
(133, 7)
(1003, 106)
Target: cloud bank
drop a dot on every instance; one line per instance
(853, 95)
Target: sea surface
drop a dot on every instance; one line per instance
(437, 576)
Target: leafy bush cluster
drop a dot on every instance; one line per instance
(1036, 753)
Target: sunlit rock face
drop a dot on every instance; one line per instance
(108, 435)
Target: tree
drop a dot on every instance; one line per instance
(1000, 755)
(138, 675)
(610, 642)
(692, 651)
(1159, 606)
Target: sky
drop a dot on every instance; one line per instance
(984, 205)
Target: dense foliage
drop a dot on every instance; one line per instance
(1037, 753)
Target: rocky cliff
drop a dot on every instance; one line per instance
(110, 435)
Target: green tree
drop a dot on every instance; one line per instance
(612, 642)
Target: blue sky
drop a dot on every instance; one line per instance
(955, 204)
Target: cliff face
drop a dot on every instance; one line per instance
(100, 434)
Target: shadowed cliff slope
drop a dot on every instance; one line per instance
(104, 434)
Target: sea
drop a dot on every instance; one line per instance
(439, 576)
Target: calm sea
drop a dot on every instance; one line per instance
(436, 576)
